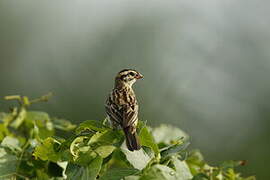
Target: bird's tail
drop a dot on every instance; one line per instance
(132, 139)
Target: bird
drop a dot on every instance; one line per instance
(122, 106)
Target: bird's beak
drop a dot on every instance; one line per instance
(139, 76)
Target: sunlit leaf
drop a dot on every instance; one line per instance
(19, 119)
(107, 137)
(48, 150)
(3, 131)
(8, 164)
(181, 168)
(77, 143)
(195, 161)
(105, 151)
(132, 177)
(138, 159)
(167, 134)
(11, 143)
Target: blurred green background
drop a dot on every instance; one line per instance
(206, 66)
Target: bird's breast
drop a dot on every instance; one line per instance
(125, 97)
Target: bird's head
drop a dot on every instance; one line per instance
(127, 77)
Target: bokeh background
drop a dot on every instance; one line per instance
(206, 66)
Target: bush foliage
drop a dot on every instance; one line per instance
(34, 146)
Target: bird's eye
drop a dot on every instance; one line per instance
(132, 73)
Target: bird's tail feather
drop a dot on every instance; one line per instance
(132, 139)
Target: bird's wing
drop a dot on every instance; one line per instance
(123, 113)
(113, 110)
(130, 114)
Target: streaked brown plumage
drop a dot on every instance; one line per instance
(122, 106)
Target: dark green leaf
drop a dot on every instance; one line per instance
(117, 173)
(160, 172)
(118, 160)
(88, 172)
(173, 149)
(200, 176)
(84, 158)
(147, 140)
(74, 171)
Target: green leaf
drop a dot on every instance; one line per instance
(231, 164)
(147, 140)
(91, 125)
(74, 171)
(63, 124)
(19, 119)
(48, 150)
(107, 137)
(181, 168)
(63, 165)
(78, 143)
(6, 118)
(8, 164)
(118, 160)
(160, 172)
(132, 177)
(84, 158)
(93, 169)
(195, 161)
(200, 176)
(104, 151)
(173, 149)
(166, 134)
(2, 116)
(11, 143)
(3, 131)
(117, 173)
(41, 121)
(82, 153)
(88, 172)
